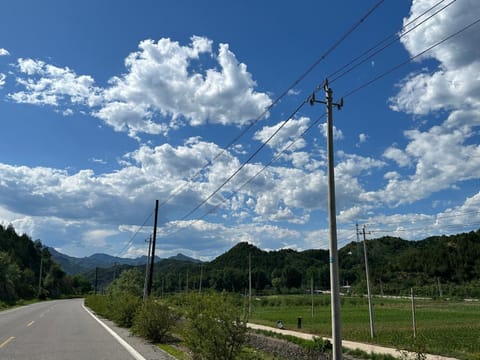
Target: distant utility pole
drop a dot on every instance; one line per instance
(334, 278)
(152, 260)
(249, 284)
(147, 270)
(369, 293)
(414, 320)
(40, 275)
(201, 276)
(96, 279)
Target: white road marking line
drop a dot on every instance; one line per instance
(5, 343)
(127, 346)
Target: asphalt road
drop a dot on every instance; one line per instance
(65, 330)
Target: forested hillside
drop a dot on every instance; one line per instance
(27, 270)
(441, 265)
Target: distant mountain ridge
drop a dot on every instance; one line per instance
(76, 265)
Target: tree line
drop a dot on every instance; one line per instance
(436, 266)
(27, 270)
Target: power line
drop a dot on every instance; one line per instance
(396, 67)
(264, 143)
(276, 101)
(350, 93)
(395, 37)
(134, 235)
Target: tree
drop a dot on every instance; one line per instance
(129, 282)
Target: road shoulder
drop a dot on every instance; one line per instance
(148, 350)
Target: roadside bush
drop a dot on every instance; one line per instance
(123, 309)
(154, 320)
(214, 329)
(100, 304)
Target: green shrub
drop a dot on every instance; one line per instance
(123, 309)
(100, 304)
(214, 329)
(154, 320)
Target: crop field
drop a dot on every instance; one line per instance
(444, 327)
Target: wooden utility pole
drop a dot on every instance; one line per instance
(152, 260)
(147, 270)
(201, 276)
(40, 276)
(334, 277)
(96, 280)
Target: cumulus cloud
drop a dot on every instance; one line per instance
(337, 133)
(161, 77)
(443, 158)
(2, 80)
(47, 84)
(4, 52)
(290, 132)
(455, 83)
(444, 154)
(399, 156)
(164, 87)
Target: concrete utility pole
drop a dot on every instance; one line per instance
(369, 293)
(152, 260)
(414, 320)
(334, 278)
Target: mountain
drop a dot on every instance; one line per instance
(75, 265)
(181, 257)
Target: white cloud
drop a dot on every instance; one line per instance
(456, 83)
(446, 154)
(443, 158)
(290, 132)
(97, 238)
(399, 156)
(362, 138)
(47, 84)
(162, 89)
(2, 80)
(4, 52)
(162, 80)
(337, 133)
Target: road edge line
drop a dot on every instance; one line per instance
(117, 337)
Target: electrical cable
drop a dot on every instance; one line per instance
(348, 94)
(396, 67)
(134, 235)
(395, 39)
(275, 102)
(264, 143)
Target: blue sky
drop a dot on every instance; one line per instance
(107, 106)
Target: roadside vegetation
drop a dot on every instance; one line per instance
(206, 326)
(212, 325)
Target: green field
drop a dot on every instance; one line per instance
(444, 327)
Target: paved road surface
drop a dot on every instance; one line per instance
(64, 330)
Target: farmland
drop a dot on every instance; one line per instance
(444, 327)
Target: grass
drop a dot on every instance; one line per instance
(450, 328)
